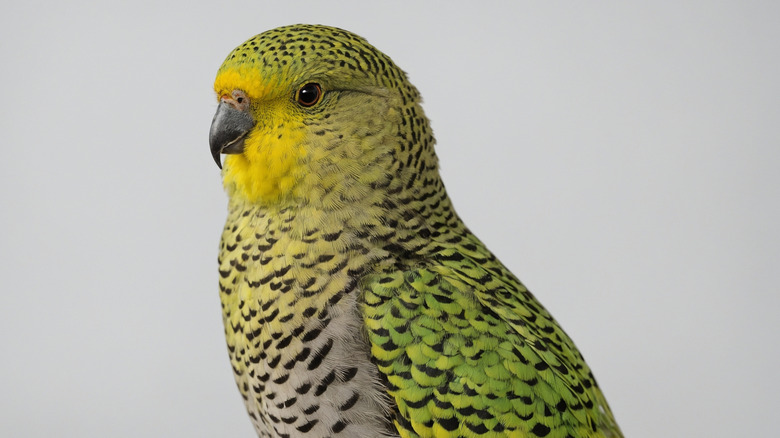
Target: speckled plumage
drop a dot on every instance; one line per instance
(356, 303)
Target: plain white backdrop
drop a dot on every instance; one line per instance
(621, 158)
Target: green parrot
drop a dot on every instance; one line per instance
(355, 301)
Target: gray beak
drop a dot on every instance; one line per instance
(228, 131)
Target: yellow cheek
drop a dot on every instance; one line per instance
(270, 166)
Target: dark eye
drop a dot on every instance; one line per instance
(309, 94)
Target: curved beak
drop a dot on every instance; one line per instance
(229, 128)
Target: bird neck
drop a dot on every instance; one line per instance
(382, 220)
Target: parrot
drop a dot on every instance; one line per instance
(355, 301)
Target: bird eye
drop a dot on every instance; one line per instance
(309, 94)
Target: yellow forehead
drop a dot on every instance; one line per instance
(246, 79)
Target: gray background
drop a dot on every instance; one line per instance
(622, 159)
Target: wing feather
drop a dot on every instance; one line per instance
(468, 351)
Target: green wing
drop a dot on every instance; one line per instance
(468, 351)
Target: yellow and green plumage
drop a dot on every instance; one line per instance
(355, 301)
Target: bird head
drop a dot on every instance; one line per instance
(311, 112)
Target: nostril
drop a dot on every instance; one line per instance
(240, 100)
(239, 104)
(236, 99)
